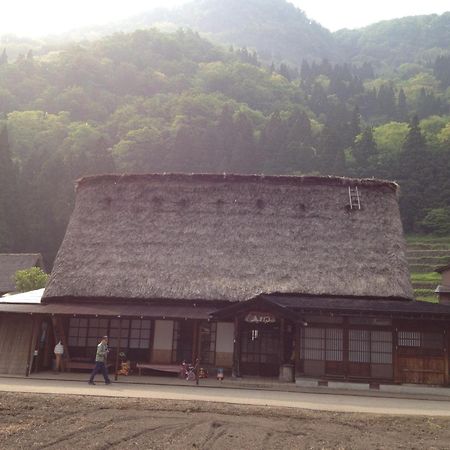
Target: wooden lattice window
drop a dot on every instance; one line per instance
(421, 339)
(370, 346)
(78, 331)
(140, 332)
(97, 328)
(119, 327)
(322, 344)
(207, 336)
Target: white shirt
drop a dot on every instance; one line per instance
(59, 348)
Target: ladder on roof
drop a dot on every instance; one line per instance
(353, 195)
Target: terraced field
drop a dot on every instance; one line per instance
(425, 254)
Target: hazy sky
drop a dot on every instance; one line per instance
(42, 17)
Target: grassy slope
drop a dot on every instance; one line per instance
(425, 254)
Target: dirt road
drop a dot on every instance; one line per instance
(338, 402)
(42, 421)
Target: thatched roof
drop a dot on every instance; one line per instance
(10, 263)
(230, 237)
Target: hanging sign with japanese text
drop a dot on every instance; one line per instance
(260, 317)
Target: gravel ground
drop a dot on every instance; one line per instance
(36, 421)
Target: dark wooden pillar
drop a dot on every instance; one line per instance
(195, 342)
(236, 349)
(446, 356)
(281, 347)
(116, 376)
(60, 333)
(152, 341)
(297, 353)
(345, 347)
(35, 328)
(395, 359)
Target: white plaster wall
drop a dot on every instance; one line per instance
(163, 335)
(225, 337)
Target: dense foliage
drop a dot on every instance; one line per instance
(30, 279)
(154, 102)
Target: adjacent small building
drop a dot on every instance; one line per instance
(10, 263)
(443, 290)
(287, 277)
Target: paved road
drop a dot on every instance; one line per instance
(321, 402)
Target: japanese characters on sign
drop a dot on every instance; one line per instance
(260, 317)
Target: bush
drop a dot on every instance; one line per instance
(437, 221)
(30, 279)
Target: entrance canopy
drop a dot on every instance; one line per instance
(294, 307)
(257, 307)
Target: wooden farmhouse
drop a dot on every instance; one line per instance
(290, 277)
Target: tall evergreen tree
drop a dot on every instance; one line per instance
(3, 58)
(9, 204)
(365, 149)
(402, 109)
(332, 159)
(386, 101)
(299, 153)
(244, 156)
(225, 139)
(273, 144)
(414, 172)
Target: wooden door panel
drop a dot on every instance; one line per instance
(422, 370)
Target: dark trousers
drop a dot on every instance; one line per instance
(99, 367)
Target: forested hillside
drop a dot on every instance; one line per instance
(278, 30)
(282, 33)
(155, 102)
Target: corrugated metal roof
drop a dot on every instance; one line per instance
(441, 289)
(31, 297)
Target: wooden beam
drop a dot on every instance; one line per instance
(281, 346)
(297, 349)
(116, 376)
(59, 330)
(395, 356)
(345, 347)
(33, 325)
(33, 341)
(236, 349)
(195, 342)
(446, 356)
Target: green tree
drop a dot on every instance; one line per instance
(3, 58)
(414, 172)
(402, 109)
(364, 152)
(9, 205)
(30, 279)
(300, 155)
(437, 221)
(273, 143)
(245, 158)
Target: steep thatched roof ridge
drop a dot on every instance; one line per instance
(230, 237)
(210, 177)
(10, 263)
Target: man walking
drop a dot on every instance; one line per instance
(100, 361)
